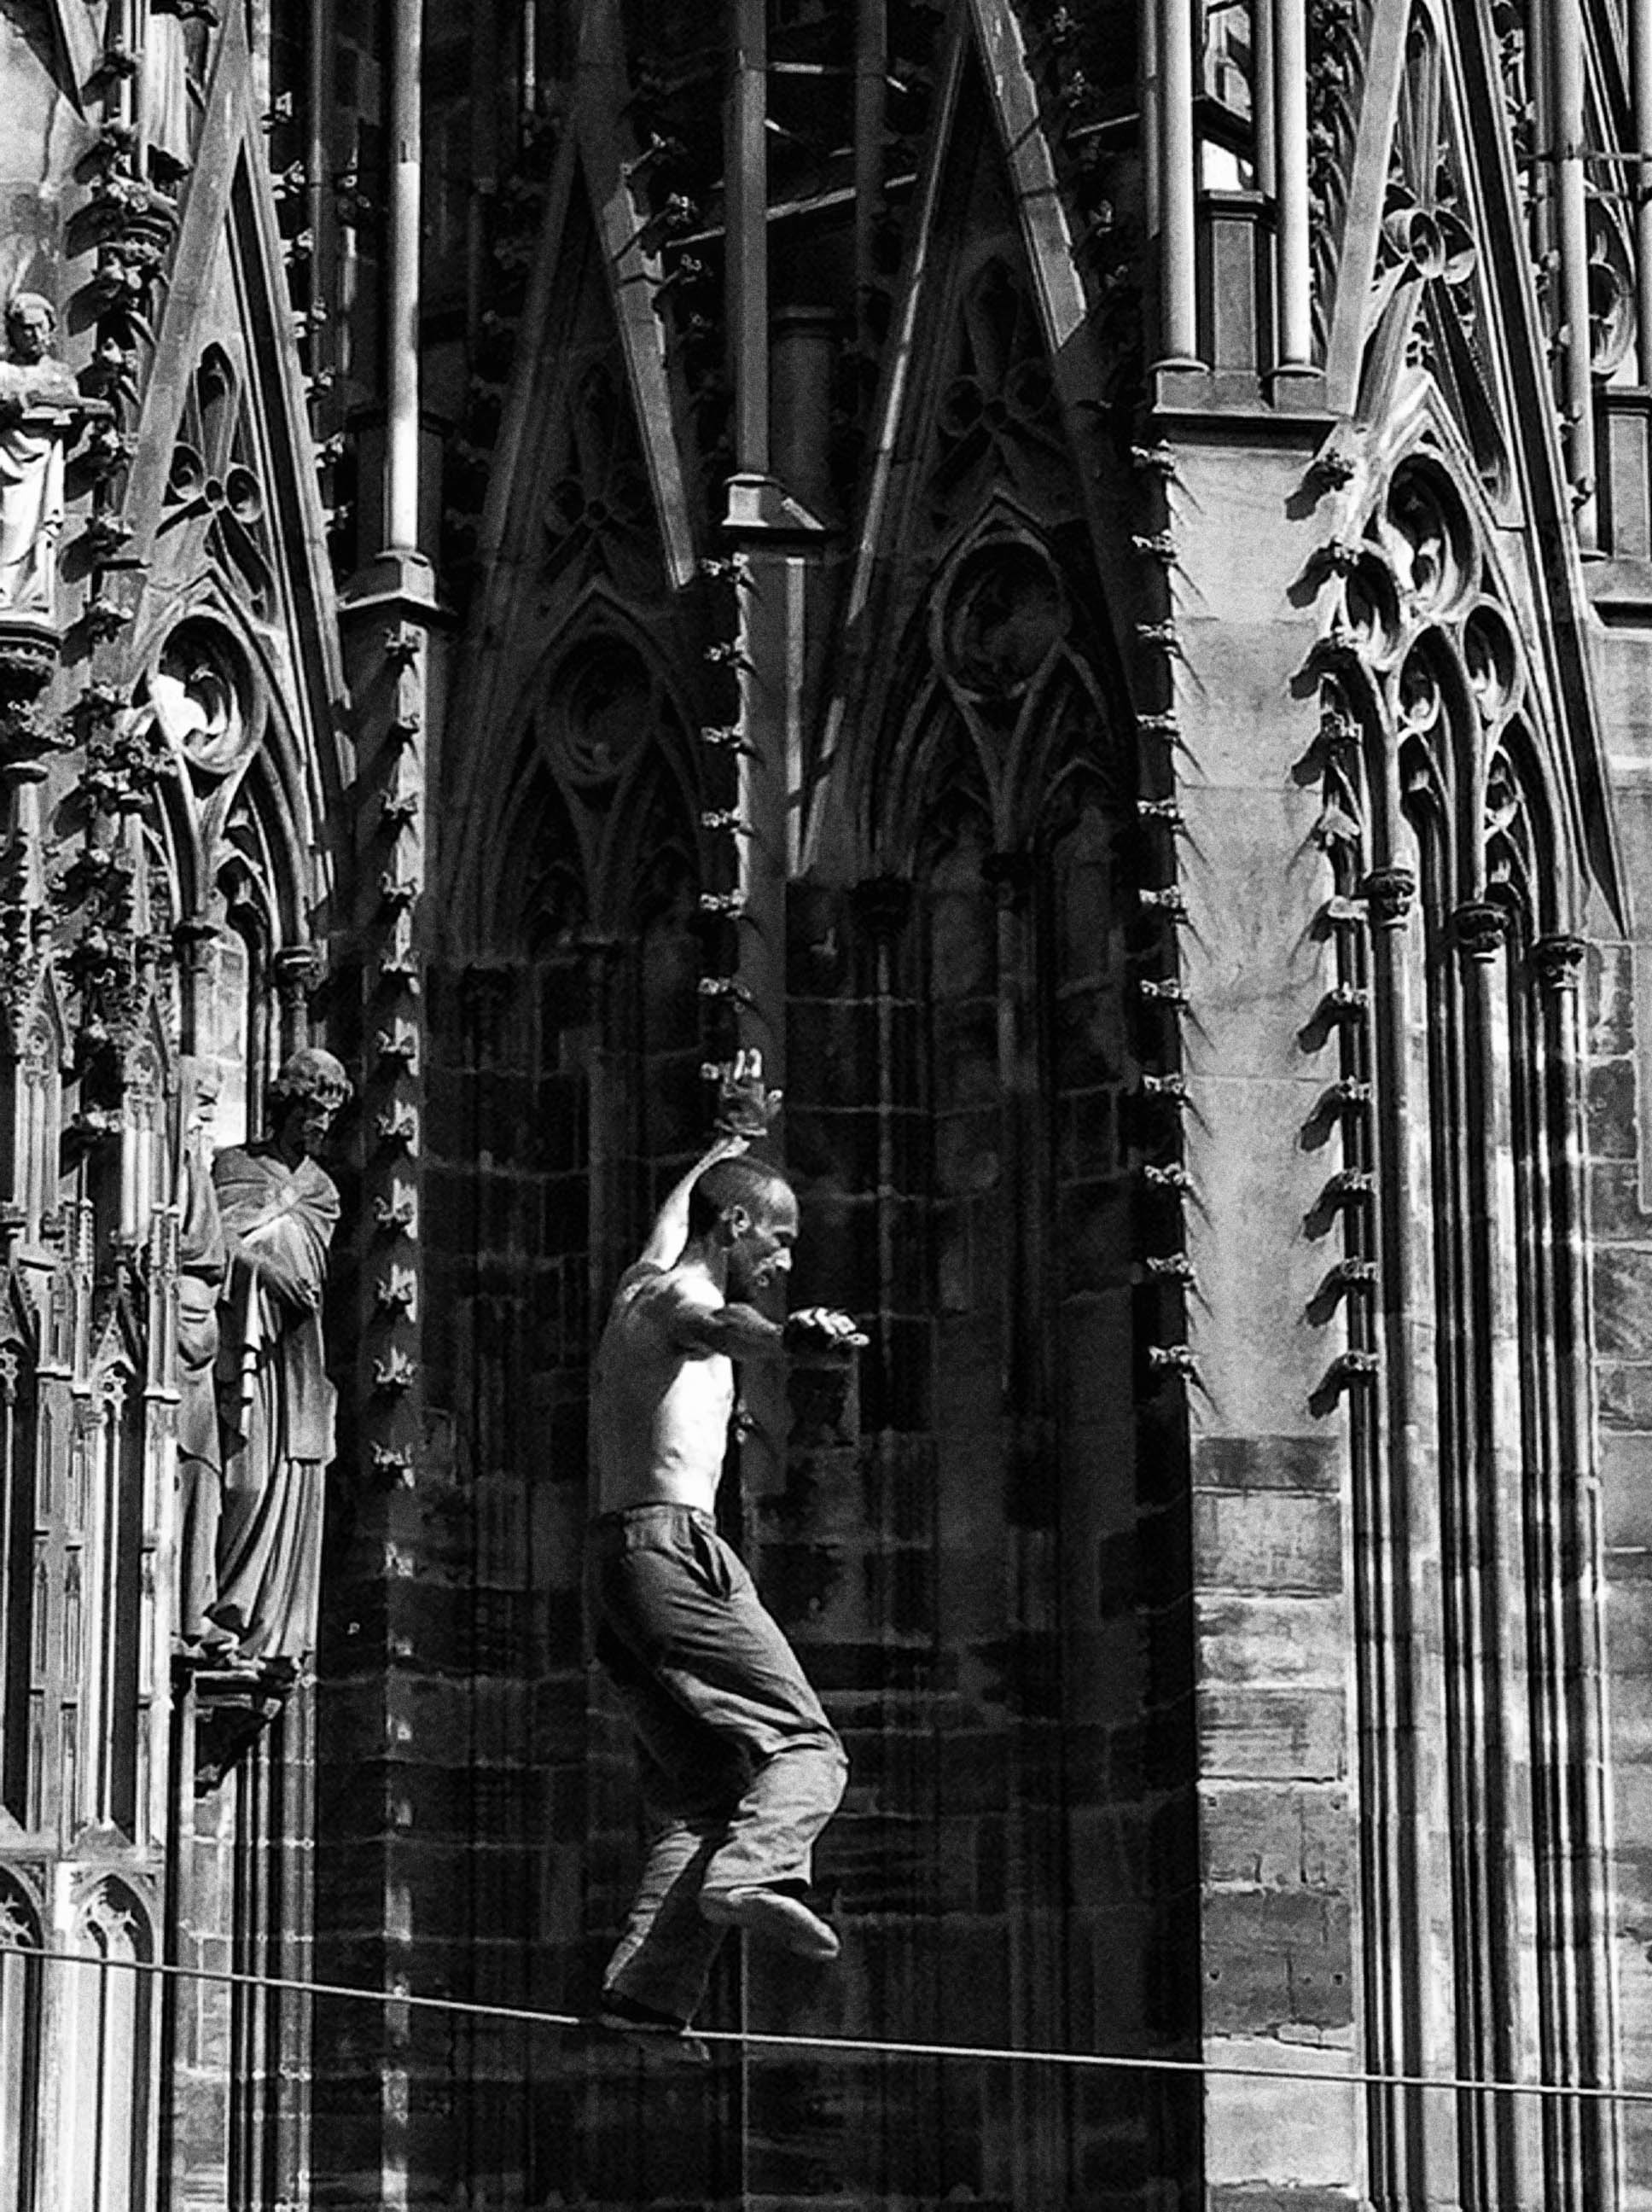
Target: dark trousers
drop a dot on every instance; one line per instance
(741, 1768)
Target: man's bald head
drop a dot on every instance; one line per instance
(757, 1190)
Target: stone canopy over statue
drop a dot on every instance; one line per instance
(256, 1417)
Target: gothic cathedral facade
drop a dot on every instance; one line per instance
(1081, 576)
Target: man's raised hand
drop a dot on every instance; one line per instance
(744, 1108)
(821, 1328)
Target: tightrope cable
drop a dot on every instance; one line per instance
(855, 2046)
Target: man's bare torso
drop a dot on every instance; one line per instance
(660, 1411)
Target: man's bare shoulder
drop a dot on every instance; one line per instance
(664, 1298)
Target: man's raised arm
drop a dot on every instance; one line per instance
(671, 1230)
(743, 1332)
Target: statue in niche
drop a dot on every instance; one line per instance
(175, 49)
(38, 395)
(279, 1209)
(203, 1261)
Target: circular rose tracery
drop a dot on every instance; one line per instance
(606, 708)
(198, 692)
(1004, 615)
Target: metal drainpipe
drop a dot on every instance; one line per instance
(1578, 385)
(870, 51)
(1264, 107)
(1178, 154)
(747, 169)
(401, 500)
(1640, 33)
(317, 200)
(1296, 332)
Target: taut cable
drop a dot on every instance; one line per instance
(857, 2046)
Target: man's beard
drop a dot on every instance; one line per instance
(747, 1278)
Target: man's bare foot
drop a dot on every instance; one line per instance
(774, 1915)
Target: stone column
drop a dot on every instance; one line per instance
(1582, 2032)
(298, 970)
(1486, 1606)
(1408, 1932)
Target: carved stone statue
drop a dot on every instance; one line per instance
(202, 1257)
(38, 395)
(277, 1406)
(174, 56)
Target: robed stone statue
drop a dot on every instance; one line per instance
(279, 1209)
(37, 394)
(203, 1264)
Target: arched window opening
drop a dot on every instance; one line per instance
(19, 1507)
(110, 1708)
(21, 2086)
(216, 398)
(1459, 1051)
(36, 1086)
(233, 1025)
(552, 1004)
(108, 2120)
(956, 923)
(665, 946)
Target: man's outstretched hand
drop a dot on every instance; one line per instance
(820, 1328)
(744, 1108)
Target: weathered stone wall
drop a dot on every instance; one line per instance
(1618, 1036)
(1271, 1530)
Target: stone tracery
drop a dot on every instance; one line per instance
(1436, 781)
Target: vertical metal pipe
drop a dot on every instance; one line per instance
(747, 192)
(1178, 294)
(1149, 96)
(769, 684)
(317, 200)
(401, 503)
(1261, 94)
(871, 47)
(1640, 34)
(1577, 385)
(485, 167)
(1294, 327)
(529, 58)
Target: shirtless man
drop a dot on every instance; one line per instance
(741, 1769)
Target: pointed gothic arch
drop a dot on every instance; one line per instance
(112, 2017)
(1447, 814)
(544, 888)
(601, 712)
(997, 665)
(20, 1505)
(21, 2000)
(36, 1065)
